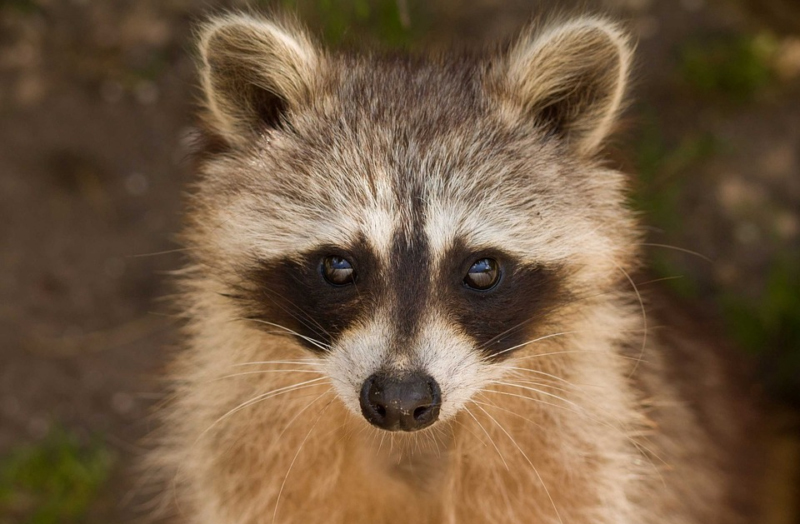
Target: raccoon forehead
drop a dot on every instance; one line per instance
(528, 210)
(332, 181)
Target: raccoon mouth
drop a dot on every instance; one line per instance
(406, 403)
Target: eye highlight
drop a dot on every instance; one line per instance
(338, 271)
(483, 274)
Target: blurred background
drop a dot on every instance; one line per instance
(96, 105)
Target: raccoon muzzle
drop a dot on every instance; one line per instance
(406, 403)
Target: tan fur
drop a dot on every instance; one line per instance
(584, 425)
(582, 63)
(242, 54)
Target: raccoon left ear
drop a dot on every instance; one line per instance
(570, 79)
(254, 71)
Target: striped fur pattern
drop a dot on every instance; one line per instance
(412, 168)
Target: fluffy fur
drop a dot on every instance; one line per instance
(583, 420)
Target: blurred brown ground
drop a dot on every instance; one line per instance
(96, 101)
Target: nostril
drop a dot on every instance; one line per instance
(421, 412)
(405, 402)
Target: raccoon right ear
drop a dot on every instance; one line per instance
(253, 72)
(569, 78)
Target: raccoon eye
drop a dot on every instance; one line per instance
(338, 271)
(483, 274)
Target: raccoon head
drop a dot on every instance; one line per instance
(414, 222)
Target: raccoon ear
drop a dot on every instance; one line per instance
(253, 72)
(570, 78)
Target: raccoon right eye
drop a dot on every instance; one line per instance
(483, 275)
(338, 271)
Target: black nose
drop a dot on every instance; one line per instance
(405, 403)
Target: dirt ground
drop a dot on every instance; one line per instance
(96, 102)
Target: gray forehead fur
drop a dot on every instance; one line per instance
(384, 143)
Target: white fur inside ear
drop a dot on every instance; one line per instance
(572, 76)
(252, 70)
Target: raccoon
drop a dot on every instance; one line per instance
(412, 297)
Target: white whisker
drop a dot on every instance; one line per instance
(554, 377)
(582, 412)
(259, 398)
(265, 371)
(531, 342)
(294, 459)
(318, 343)
(541, 480)
(491, 440)
(680, 249)
(266, 362)
(644, 318)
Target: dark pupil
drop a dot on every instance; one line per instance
(483, 274)
(338, 270)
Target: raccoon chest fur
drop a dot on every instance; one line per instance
(412, 297)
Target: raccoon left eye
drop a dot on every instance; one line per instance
(483, 274)
(338, 270)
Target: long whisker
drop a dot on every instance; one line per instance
(566, 351)
(675, 248)
(469, 430)
(504, 333)
(294, 459)
(495, 406)
(582, 412)
(259, 398)
(300, 310)
(541, 480)
(495, 355)
(656, 280)
(551, 335)
(288, 424)
(550, 375)
(318, 343)
(509, 384)
(547, 385)
(491, 440)
(307, 362)
(644, 318)
(159, 253)
(573, 300)
(264, 371)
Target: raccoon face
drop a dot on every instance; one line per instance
(414, 223)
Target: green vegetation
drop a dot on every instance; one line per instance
(732, 68)
(52, 482)
(342, 22)
(660, 189)
(660, 166)
(769, 326)
(21, 6)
